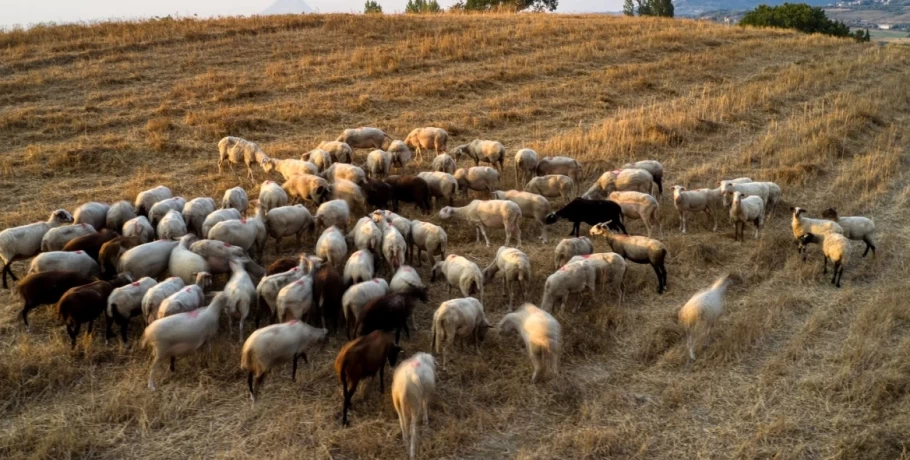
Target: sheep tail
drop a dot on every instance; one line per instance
(247, 361)
(433, 332)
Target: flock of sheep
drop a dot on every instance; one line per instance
(111, 260)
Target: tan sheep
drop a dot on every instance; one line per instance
(492, 152)
(421, 139)
(552, 186)
(491, 213)
(637, 205)
(532, 206)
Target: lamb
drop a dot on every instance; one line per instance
(532, 205)
(236, 150)
(269, 287)
(187, 299)
(702, 311)
(171, 226)
(319, 158)
(295, 300)
(460, 272)
(540, 333)
(351, 193)
(835, 247)
(413, 384)
(235, 198)
(571, 247)
(409, 189)
(271, 195)
(331, 246)
(83, 304)
(707, 200)
(638, 249)
(289, 221)
(146, 199)
(401, 154)
(156, 294)
(560, 165)
(78, 261)
(334, 212)
(56, 238)
(362, 358)
(553, 185)
(379, 163)
(276, 344)
(378, 193)
(109, 255)
(573, 278)
(458, 318)
(491, 213)
(345, 171)
(478, 150)
(625, 180)
(442, 185)
(855, 228)
(240, 293)
(591, 212)
(609, 267)
(430, 238)
(357, 297)
(149, 259)
(421, 139)
(290, 167)
(655, 168)
(91, 243)
(219, 215)
(637, 205)
(123, 304)
(394, 247)
(46, 288)
(161, 208)
(759, 189)
(525, 166)
(444, 163)
(22, 242)
(477, 178)
(328, 288)
(515, 267)
(364, 138)
(118, 214)
(748, 209)
(92, 213)
(139, 227)
(390, 312)
(340, 152)
(195, 213)
(249, 234)
(183, 334)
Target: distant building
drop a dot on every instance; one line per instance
(884, 26)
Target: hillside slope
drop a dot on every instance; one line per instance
(796, 368)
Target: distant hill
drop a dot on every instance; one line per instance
(287, 7)
(700, 7)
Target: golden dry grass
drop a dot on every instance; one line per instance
(797, 369)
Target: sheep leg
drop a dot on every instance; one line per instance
(690, 342)
(487, 240)
(382, 375)
(477, 233)
(123, 329)
(108, 328)
(278, 243)
(73, 331)
(173, 364)
(152, 385)
(294, 368)
(826, 267)
(348, 394)
(682, 222)
(249, 382)
(25, 309)
(869, 245)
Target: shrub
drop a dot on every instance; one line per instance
(799, 16)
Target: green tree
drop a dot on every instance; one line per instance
(628, 8)
(662, 8)
(422, 6)
(371, 7)
(519, 5)
(799, 16)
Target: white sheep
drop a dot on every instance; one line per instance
(525, 166)
(743, 210)
(118, 214)
(161, 208)
(444, 163)
(341, 152)
(357, 296)
(171, 226)
(427, 138)
(609, 267)
(271, 195)
(235, 198)
(571, 247)
(477, 178)
(156, 294)
(195, 212)
(413, 384)
(442, 185)
(394, 248)
(75, 261)
(405, 279)
(459, 272)
(855, 228)
(270, 286)
(707, 200)
(655, 168)
(359, 267)
(702, 311)
(485, 151)
(364, 137)
(560, 165)
(274, 345)
(185, 263)
(149, 259)
(835, 247)
(491, 213)
(532, 205)
(147, 198)
(56, 238)
(92, 213)
(240, 294)
(318, 157)
(290, 167)
(378, 164)
(249, 234)
(126, 302)
(219, 215)
(215, 253)
(351, 193)
(289, 221)
(187, 298)
(458, 318)
(366, 235)
(333, 212)
(382, 217)
(572, 278)
(759, 189)
(515, 267)
(540, 333)
(331, 246)
(236, 150)
(295, 300)
(637, 205)
(802, 225)
(344, 171)
(429, 238)
(22, 242)
(552, 186)
(181, 335)
(401, 154)
(624, 180)
(141, 227)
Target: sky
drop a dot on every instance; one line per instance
(26, 12)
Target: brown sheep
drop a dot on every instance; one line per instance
(364, 357)
(328, 287)
(83, 304)
(110, 252)
(410, 189)
(91, 243)
(47, 287)
(282, 265)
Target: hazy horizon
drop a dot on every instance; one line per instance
(17, 12)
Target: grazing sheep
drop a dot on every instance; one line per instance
(525, 166)
(46, 288)
(491, 213)
(339, 151)
(442, 185)
(123, 304)
(161, 208)
(362, 358)
(216, 253)
(405, 278)
(364, 138)
(307, 187)
(458, 318)
(357, 297)
(444, 163)
(22, 242)
(802, 225)
(295, 300)
(351, 193)
(183, 334)
(855, 228)
(91, 243)
(149, 259)
(485, 151)
(277, 344)
(560, 165)
(381, 218)
(271, 195)
(477, 178)
(56, 238)
(429, 238)
(638, 249)
(515, 267)
(460, 272)
(637, 205)
(78, 261)
(241, 295)
(394, 247)
(140, 227)
(319, 158)
(360, 267)
(748, 209)
(532, 205)
(331, 246)
(236, 150)
(379, 164)
(334, 212)
(410, 189)
(401, 154)
(92, 213)
(289, 221)
(655, 168)
(759, 189)
(219, 215)
(344, 171)
(328, 287)
(235, 198)
(624, 180)
(609, 267)
(249, 234)
(707, 200)
(774, 196)
(552, 186)
(835, 247)
(702, 311)
(110, 252)
(290, 167)
(118, 214)
(591, 212)
(186, 299)
(540, 333)
(571, 247)
(156, 294)
(146, 199)
(378, 193)
(366, 236)
(413, 384)
(83, 304)
(195, 212)
(171, 226)
(390, 312)
(421, 139)
(572, 278)
(270, 286)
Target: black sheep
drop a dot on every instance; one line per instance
(591, 212)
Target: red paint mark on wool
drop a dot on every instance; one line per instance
(134, 283)
(586, 256)
(78, 252)
(193, 313)
(187, 289)
(376, 280)
(83, 225)
(227, 245)
(293, 321)
(415, 364)
(242, 221)
(299, 281)
(407, 269)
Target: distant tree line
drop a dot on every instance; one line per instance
(371, 7)
(662, 8)
(802, 17)
(432, 6)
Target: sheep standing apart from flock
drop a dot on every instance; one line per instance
(515, 267)
(344, 171)
(413, 384)
(22, 242)
(484, 151)
(743, 210)
(271, 196)
(421, 139)
(541, 335)
(610, 267)
(707, 200)
(307, 187)
(141, 227)
(491, 213)
(249, 233)
(57, 238)
(240, 295)
(277, 344)
(118, 214)
(171, 226)
(552, 186)
(560, 165)
(357, 297)
(571, 247)
(654, 168)
(340, 152)
(195, 212)
(572, 278)
(92, 213)
(459, 272)
(444, 163)
(378, 164)
(186, 299)
(235, 198)
(429, 238)
(637, 205)
(477, 178)
(638, 249)
(123, 304)
(525, 166)
(591, 212)
(289, 221)
(443, 186)
(236, 150)
(401, 154)
(83, 304)
(362, 358)
(147, 198)
(331, 246)
(702, 311)
(364, 138)
(78, 261)
(458, 318)
(855, 228)
(532, 206)
(156, 294)
(219, 215)
(835, 248)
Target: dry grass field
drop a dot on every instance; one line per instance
(796, 369)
